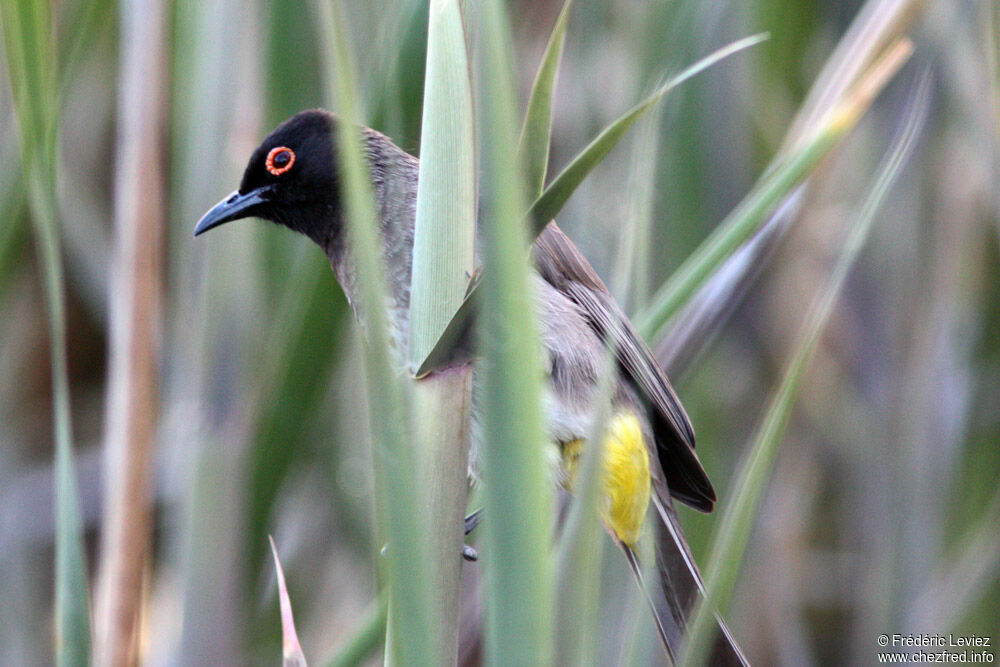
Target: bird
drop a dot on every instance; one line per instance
(292, 179)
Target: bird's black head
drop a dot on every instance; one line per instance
(291, 179)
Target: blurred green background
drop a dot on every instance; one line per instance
(882, 512)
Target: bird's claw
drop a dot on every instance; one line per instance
(472, 520)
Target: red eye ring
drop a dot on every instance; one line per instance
(279, 160)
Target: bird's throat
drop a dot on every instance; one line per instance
(394, 178)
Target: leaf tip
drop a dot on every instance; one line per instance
(291, 649)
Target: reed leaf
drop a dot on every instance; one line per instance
(551, 201)
(443, 259)
(29, 40)
(444, 234)
(411, 637)
(555, 196)
(737, 520)
(518, 500)
(774, 186)
(691, 329)
(132, 412)
(536, 132)
(578, 559)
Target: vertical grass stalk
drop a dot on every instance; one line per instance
(29, 41)
(518, 567)
(411, 629)
(133, 383)
(578, 559)
(443, 261)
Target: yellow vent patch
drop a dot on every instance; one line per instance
(625, 478)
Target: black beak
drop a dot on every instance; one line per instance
(235, 206)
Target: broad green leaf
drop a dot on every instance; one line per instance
(734, 529)
(444, 234)
(551, 201)
(533, 146)
(443, 259)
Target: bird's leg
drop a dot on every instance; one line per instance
(469, 553)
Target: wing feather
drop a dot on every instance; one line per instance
(562, 265)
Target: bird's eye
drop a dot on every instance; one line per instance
(279, 160)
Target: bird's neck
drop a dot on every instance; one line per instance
(394, 183)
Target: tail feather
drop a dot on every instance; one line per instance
(670, 636)
(680, 584)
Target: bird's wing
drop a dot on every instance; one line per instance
(563, 266)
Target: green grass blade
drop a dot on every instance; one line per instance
(734, 528)
(518, 500)
(366, 639)
(877, 24)
(551, 201)
(630, 278)
(533, 146)
(72, 629)
(12, 197)
(736, 228)
(411, 624)
(88, 22)
(13, 232)
(776, 183)
(690, 328)
(580, 548)
(31, 62)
